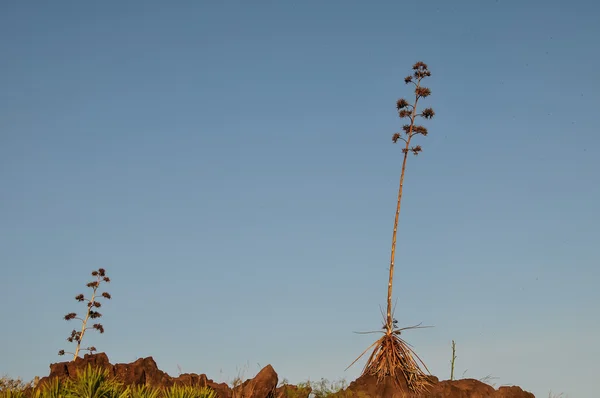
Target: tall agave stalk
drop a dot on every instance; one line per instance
(407, 110)
(392, 356)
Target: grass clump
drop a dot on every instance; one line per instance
(179, 391)
(53, 388)
(144, 392)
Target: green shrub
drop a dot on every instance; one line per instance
(179, 391)
(54, 388)
(144, 392)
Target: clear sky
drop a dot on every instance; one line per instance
(230, 164)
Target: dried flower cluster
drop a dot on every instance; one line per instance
(407, 110)
(92, 304)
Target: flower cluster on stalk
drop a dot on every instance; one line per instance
(408, 111)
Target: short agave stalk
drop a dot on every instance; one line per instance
(92, 305)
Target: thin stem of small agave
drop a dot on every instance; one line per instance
(453, 360)
(87, 317)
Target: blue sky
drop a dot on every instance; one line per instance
(230, 164)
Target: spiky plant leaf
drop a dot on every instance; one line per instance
(93, 382)
(141, 391)
(12, 393)
(53, 388)
(179, 391)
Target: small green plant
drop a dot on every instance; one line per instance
(453, 360)
(179, 391)
(54, 388)
(92, 305)
(91, 382)
(94, 382)
(325, 388)
(143, 391)
(12, 393)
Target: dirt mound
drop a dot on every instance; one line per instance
(367, 386)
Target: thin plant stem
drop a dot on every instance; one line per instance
(389, 320)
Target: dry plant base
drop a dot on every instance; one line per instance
(393, 357)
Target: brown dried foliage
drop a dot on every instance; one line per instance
(393, 357)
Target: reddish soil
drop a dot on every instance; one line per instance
(367, 386)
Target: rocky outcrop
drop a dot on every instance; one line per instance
(144, 371)
(263, 385)
(367, 386)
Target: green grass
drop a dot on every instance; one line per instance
(96, 383)
(324, 389)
